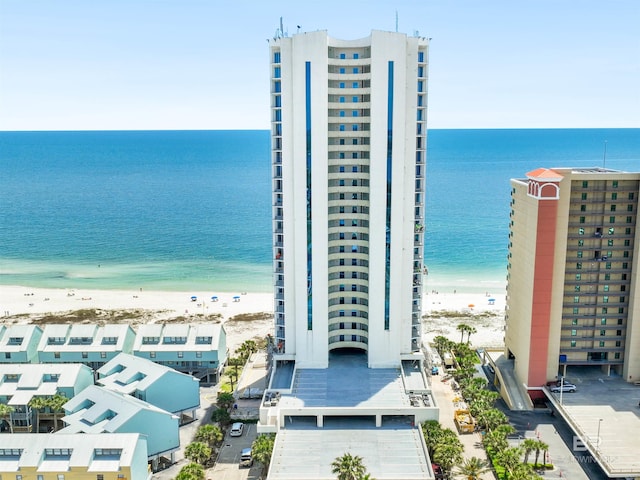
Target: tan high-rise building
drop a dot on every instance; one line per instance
(572, 285)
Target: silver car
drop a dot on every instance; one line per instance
(567, 388)
(246, 459)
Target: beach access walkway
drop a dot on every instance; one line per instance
(472, 442)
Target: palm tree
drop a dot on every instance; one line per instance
(191, 471)
(38, 404)
(262, 449)
(225, 400)
(464, 373)
(348, 467)
(246, 349)
(209, 434)
(540, 445)
(433, 434)
(448, 454)
(524, 472)
(472, 468)
(495, 441)
(56, 404)
(470, 330)
(462, 328)
(488, 397)
(491, 418)
(234, 362)
(221, 416)
(509, 458)
(5, 414)
(197, 452)
(529, 446)
(442, 344)
(506, 429)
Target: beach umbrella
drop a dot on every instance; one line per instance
(236, 298)
(214, 299)
(194, 298)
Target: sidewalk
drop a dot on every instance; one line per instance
(472, 442)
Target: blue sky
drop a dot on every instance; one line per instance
(196, 64)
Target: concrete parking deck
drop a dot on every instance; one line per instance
(605, 416)
(392, 452)
(350, 408)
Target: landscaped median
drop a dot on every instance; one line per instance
(509, 462)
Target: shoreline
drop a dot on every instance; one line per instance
(16, 300)
(442, 311)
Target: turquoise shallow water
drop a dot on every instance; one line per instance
(185, 210)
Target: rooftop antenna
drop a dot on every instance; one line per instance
(281, 28)
(396, 21)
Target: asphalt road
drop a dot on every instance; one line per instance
(228, 465)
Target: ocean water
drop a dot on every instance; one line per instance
(187, 210)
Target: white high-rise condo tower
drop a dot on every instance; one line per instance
(348, 139)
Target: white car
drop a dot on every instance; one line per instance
(236, 429)
(567, 388)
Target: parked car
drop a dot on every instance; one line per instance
(437, 471)
(246, 459)
(236, 429)
(558, 383)
(568, 388)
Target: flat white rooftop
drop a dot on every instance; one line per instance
(391, 452)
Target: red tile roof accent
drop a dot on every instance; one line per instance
(545, 174)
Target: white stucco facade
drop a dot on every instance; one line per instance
(348, 159)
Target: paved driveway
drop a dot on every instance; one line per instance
(227, 467)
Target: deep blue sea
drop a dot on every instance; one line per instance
(185, 210)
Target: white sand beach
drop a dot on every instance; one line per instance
(443, 312)
(24, 304)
